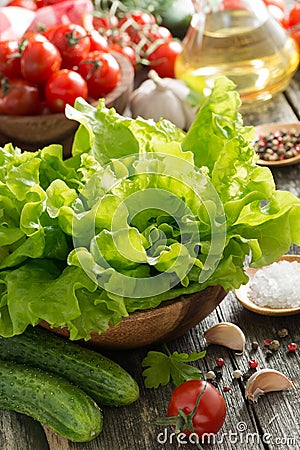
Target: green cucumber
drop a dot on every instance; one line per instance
(104, 380)
(51, 400)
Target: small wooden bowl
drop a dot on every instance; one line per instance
(33, 132)
(164, 323)
(243, 298)
(274, 126)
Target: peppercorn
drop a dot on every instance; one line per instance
(252, 363)
(269, 354)
(278, 145)
(274, 345)
(226, 388)
(220, 362)
(210, 375)
(254, 345)
(283, 332)
(237, 374)
(219, 375)
(292, 347)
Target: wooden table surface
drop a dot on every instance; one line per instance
(272, 423)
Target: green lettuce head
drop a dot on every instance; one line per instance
(141, 213)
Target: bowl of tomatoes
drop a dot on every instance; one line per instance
(42, 72)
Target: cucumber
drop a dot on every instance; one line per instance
(51, 400)
(104, 380)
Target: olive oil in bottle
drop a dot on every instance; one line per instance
(246, 45)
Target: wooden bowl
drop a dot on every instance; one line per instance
(243, 298)
(164, 323)
(33, 132)
(274, 126)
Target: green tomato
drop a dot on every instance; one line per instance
(176, 15)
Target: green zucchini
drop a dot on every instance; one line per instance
(51, 400)
(104, 380)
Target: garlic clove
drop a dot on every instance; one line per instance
(226, 334)
(266, 380)
(158, 98)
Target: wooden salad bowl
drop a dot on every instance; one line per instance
(271, 128)
(34, 132)
(168, 321)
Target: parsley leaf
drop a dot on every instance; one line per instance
(160, 368)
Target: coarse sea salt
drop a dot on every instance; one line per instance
(276, 285)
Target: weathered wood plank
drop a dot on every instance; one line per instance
(272, 410)
(19, 432)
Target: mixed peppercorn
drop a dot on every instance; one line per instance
(271, 346)
(278, 145)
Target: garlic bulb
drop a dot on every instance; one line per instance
(162, 98)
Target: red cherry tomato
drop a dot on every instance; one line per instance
(10, 59)
(158, 32)
(72, 41)
(279, 3)
(33, 36)
(296, 36)
(141, 18)
(232, 4)
(49, 32)
(162, 59)
(294, 15)
(135, 22)
(155, 33)
(211, 411)
(28, 4)
(19, 97)
(97, 41)
(63, 87)
(106, 22)
(101, 71)
(125, 50)
(278, 14)
(42, 3)
(39, 60)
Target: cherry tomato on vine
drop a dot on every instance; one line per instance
(10, 59)
(101, 71)
(155, 33)
(39, 60)
(19, 97)
(135, 22)
(28, 4)
(72, 41)
(158, 32)
(63, 87)
(294, 15)
(42, 3)
(162, 59)
(211, 411)
(233, 4)
(107, 22)
(97, 41)
(277, 9)
(125, 50)
(296, 36)
(279, 3)
(49, 32)
(120, 38)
